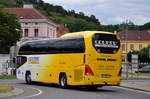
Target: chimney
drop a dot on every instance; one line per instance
(115, 32)
(28, 6)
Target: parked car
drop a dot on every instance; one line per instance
(142, 65)
(145, 69)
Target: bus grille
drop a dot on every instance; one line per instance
(106, 68)
(78, 75)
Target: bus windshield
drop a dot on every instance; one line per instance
(106, 43)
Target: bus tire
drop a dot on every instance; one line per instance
(28, 78)
(63, 81)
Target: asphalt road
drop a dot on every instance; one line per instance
(49, 91)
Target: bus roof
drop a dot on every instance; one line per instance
(84, 33)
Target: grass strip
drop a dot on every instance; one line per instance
(130, 78)
(7, 77)
(5, 88)
(139, 74)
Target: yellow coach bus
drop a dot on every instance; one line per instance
(88, 58)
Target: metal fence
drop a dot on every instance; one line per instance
(135, 71)
(4, 68)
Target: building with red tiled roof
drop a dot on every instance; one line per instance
(34, 25)
(134, 40)
(135, 35)
(26, 13)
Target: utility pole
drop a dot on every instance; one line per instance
(127, 23)
(126, 32)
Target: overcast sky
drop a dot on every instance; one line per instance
(110, 11)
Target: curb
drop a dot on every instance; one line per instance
(135, 79)
(14, 92)
(134, 88)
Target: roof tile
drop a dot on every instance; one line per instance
(26, 13)
(135, 35)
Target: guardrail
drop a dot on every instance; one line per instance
(135, 71)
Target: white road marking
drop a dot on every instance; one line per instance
(135, 90)
(39, 93)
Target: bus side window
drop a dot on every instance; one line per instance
(14, 60)
(18, 61)
(21, 60)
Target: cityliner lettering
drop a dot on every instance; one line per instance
(33, 60)
(106, 44)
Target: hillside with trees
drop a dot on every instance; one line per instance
(73, 20)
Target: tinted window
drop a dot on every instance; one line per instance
(54, 46)
(106, 43)
(67, 45)
(21, 60)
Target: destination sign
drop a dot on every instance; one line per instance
(106, 44)
(33, 60)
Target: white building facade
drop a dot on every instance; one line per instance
(37, 29)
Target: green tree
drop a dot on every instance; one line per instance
(146, 26)
(94, 20)
(20, 3)
(81, 15)
(10, 31)
(142, 54)
(129, 55)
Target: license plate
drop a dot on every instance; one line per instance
(105, 76)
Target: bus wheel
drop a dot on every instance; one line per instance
(28, 78)
(63, 81)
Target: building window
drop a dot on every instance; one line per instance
(140, 46)
(123, 47)
(36, 23)
(48, 32)
(35, 32)
(131, 47)
(26, 32)
(53, 34)
(123, 58)
(26, 23)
